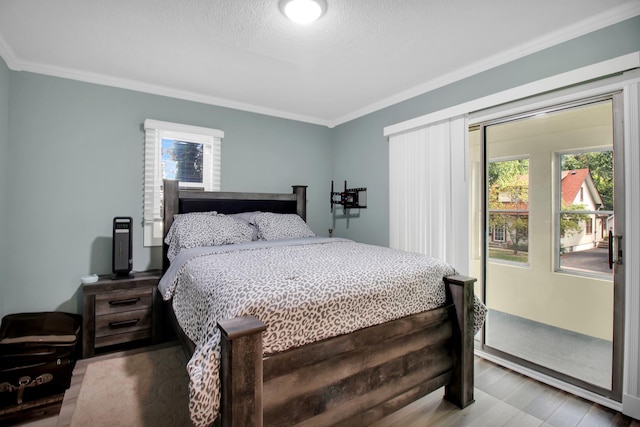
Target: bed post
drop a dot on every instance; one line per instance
(460, 291)
(241, 371)
(301, 200)
(171, 204)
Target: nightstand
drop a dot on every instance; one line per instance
(121, 311)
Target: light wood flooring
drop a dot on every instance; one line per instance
(503, 398)
(506, 398)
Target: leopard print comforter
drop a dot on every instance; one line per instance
(306, 291)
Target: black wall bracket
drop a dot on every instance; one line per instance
(349, 198)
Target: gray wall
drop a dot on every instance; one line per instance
(74, 154)
(361, 151)
(76, 161)
(4, 174)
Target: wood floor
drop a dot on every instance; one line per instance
(506, 398)
(503, 398)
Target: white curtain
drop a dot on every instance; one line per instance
(428, 192)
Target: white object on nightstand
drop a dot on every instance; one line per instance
(91, 278)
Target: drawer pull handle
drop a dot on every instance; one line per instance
(123, 323)
(125, 301)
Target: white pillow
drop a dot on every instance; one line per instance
(197, 230)
(272, 226)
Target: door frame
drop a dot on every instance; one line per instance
(618, 278)
(629, 83)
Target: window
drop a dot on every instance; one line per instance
(585, 200)
(184, 161)
(189, 154)
(508, 187)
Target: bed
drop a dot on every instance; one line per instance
(350, 378)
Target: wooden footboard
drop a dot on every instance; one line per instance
(351, 379)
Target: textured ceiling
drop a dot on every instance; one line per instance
(360, 56)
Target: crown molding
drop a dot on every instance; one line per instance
(630, 61)
(613, 16)
(7, 54)
(104, 80)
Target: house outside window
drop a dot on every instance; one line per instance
(580, 199)
(190, 154)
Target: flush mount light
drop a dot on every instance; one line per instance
(303, 11)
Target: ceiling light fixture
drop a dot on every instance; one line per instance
(303, 11)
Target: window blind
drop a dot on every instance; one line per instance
(152, 193)
(428, 210)
(155, 172)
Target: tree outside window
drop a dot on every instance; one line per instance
(509, 208)
(182, 160)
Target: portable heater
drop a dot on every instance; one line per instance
(122, 260)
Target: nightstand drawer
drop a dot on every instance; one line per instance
(121, 301)
(122, 323)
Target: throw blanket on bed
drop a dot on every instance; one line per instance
(304, 290)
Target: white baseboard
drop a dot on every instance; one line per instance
(631, 406)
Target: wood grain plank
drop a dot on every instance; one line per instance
(281, 363)
(241, 372)
(353, 396)
(312, 377)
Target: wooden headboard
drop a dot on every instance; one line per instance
(184, 201)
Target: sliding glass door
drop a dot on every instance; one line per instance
(549, 219)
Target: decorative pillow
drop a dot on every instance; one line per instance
(247, 218)
(192, 231)
(272, 226)
(173, 229)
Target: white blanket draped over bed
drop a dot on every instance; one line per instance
(304, 290)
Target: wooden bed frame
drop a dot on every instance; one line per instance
(352, 379)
